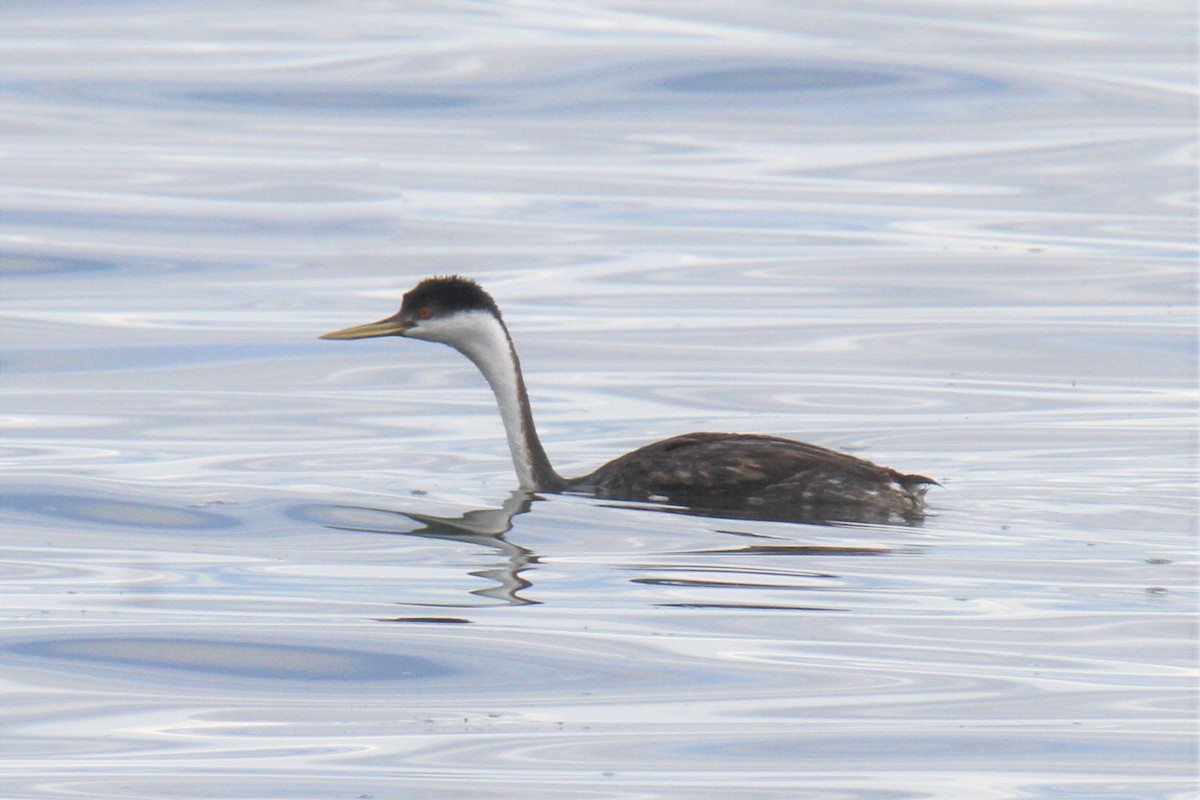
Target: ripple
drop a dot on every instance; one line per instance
(340, 100)
(122, 513)
(12, 264)
(170, 660)
(840, 79)
(822, 77)
(266, 661)
(580, 86)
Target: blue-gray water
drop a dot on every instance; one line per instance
(240, 562)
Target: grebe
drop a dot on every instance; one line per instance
(743, 474)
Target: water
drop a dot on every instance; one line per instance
(240, 562)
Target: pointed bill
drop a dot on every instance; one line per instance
(385, 327)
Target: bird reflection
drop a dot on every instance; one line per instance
(488, 528)
(485, 527)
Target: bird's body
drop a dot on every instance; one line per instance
(725, 472)
(764, 475)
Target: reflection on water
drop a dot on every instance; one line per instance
(488, 528)
(483, 527)
(960, 239)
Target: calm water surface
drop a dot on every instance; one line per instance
(240, 562)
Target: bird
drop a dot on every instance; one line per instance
(729, 474)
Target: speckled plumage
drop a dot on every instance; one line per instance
(758, 475)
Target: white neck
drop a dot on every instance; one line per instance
(482, 338)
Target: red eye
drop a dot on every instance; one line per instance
(424, 313)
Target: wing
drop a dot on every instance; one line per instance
(720, 468)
